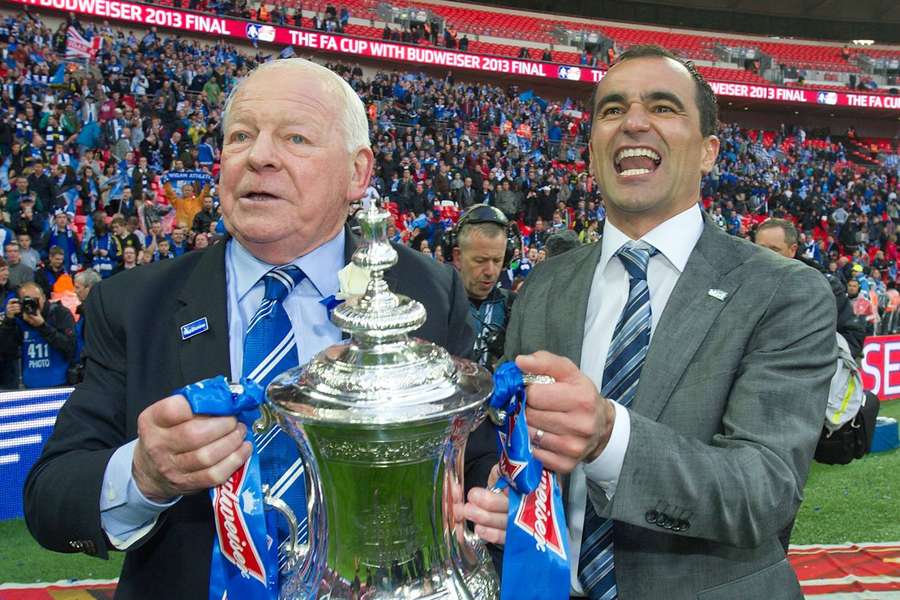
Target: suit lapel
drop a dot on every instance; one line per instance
(687, 318)
(204, 294)
(565, 320)
(351, 243)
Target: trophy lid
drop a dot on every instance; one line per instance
(382, 376)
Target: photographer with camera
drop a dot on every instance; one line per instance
(44, 332)
(479, 253)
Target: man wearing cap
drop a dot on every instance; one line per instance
(27, 219)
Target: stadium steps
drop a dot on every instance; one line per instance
(857, 152)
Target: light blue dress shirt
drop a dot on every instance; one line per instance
(125, 514)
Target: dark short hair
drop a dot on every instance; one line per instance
(791, 236)
(704, 97)
(561, 241)
(56, 251)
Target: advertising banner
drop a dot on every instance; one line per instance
(421, 55)
(880, 368)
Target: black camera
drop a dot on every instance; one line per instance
(30, 306)
(489, 345)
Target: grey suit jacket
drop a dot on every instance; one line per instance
(725, 420)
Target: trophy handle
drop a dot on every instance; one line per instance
(304, 560)
(294, 549)
(498, 415)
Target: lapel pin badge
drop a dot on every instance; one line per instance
(189, 330)
(718, 294)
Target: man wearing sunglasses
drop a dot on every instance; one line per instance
(479, 254)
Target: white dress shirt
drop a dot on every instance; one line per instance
(675, 239)
(126, 515)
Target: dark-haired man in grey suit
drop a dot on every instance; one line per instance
(692, 368)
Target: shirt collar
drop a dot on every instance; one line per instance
(321, 266)
(675, 238)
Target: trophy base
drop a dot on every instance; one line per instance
(481, 584)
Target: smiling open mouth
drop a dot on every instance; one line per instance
(631, 162)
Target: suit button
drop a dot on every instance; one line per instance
(665, 521)
(651, 516)
(685, 525)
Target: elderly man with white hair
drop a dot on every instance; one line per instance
(129, 466)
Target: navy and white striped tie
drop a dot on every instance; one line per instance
(624, 361)
(270, 348)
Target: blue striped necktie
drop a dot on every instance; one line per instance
(627, 351)
(270, 348)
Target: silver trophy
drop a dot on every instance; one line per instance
(382, 424)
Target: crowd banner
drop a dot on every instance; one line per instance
(178, 178)
(424, 55)
(26, 421)
(880, 368)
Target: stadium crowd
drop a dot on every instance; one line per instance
(112, 164)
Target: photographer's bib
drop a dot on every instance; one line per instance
(42, 365)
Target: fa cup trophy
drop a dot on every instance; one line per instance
(382, 424)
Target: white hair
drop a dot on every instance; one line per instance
(351, 119)
(88, 278)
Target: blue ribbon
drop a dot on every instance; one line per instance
(536, 533)
(245, 559)
(330, 303)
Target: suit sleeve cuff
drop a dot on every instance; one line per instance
(125, 514)
(606, 468)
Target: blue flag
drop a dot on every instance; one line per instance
(536, 533)
(120, 181)
(59, 78)
(4, 174)
(71, 198)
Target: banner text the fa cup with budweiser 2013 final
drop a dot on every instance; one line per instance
(171, 18)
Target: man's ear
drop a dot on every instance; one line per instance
(710, 153)
(360, 173)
